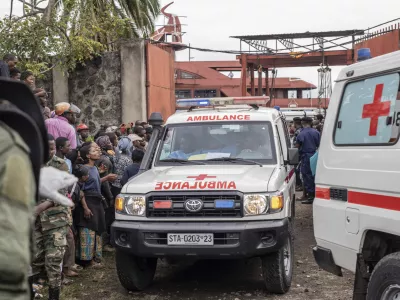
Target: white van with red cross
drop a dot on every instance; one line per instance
(357, 203)
(216, 182)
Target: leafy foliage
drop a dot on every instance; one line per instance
(67, 32)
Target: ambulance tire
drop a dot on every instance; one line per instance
(135, 273)
(385, 278)
(277, 277)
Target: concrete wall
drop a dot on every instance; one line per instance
(133, 81)
(60, 86)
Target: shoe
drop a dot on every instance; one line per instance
(69, 273)
(76, 268)
(299, 188)
(303, 197)
(54, 293)
(308, 201)
(67, 281)
(108, 248)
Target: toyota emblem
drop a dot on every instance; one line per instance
(193, 205)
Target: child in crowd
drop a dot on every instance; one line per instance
(133, 169)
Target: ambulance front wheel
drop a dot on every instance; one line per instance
(277, 268)
(135, 273)
(384, 283)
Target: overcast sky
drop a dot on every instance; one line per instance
(210, 23)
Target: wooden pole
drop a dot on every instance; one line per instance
(244, 75)
(252, 83)
(260, 82)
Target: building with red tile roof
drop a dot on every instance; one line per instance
(201, 79)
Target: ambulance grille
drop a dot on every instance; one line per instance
(208, 211)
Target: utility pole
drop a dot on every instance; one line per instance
(189, 53)
(11, 8)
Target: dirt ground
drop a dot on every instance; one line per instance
(220, 280)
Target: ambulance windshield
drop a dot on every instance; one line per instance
(212, 143)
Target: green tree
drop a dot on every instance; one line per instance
(66, 32)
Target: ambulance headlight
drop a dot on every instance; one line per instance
(134, 205)
(255, 204)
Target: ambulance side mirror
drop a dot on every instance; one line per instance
(293, 158)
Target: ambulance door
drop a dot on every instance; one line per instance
(286, 170)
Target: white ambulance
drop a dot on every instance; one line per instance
(216, 183)
(357, 204)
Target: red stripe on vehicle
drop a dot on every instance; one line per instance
(374, 200)
(290, 175)
(322, 193)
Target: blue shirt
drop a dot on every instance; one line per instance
(129, 172)
(296, 134)
(308, 139)
(93, 182)
(69, 163)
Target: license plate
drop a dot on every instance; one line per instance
(201, 239)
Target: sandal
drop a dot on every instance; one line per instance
(76, 268)
(67, 281)
(70, 273)
(95, 265)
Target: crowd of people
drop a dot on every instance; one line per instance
(69, 239)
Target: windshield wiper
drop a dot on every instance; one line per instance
(182, 161)
(235, 159)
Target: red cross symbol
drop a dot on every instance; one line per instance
(376, 109)
(201, 177)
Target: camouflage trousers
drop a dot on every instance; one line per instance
(50, 249)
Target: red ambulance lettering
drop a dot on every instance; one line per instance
(221, 185)
(211, 185)
(176, 186)
(167, 185)
(219, 118)
(202, 185)
(232, 185)
(185, 186)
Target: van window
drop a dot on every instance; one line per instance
(369, 112)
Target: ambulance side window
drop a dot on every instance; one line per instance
(168, 144)
(369, 112)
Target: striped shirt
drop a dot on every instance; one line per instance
(59, 126)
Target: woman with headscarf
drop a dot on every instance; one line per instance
(107, 149)
(122, 160)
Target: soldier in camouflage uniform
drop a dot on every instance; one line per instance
(17, 190)
(51, 227)
(22, 153)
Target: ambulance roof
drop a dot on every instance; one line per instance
(381, 63)
(225, 113)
